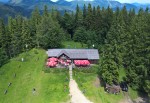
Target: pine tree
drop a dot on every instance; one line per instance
(78, 17)
(26, 41)
(84, 11)
(3, 57)
(49, 34)
(33, 23)
(2, 33)
(45, 13)
(137, 51)
(68, 23)
(80, 35)
(89, 17)
(108, 67)
(16, 39)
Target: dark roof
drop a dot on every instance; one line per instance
(90, 54)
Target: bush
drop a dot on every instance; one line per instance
(36, 52)
(54, 70)
(92, 69)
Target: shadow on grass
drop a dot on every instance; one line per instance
(143, 98)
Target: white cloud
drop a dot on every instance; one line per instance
(133, 1)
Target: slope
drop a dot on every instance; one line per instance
(49, 86)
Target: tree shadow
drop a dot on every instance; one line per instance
(102, 83)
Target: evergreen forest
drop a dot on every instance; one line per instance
(122, 38)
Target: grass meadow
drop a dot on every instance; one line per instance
(49, 87)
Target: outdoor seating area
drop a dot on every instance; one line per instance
(83, 63)
(55, 62)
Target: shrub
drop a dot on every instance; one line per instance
(92, 69)
(54, 70)
(35, 51)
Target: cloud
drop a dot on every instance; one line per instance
(133, 1)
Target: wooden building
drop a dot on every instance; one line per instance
(75, 54)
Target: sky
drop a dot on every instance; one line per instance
(122, 1)
(127, 1)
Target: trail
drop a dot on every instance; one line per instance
(127, 98)
(76, 95)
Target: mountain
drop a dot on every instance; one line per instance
(144, 6)
(25, 7)
(66, 5)
(7, 10)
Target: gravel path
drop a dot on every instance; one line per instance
(76, 95)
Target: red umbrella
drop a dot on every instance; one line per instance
(86, 62)
(77, 62)
(52, 64)
(53, 59)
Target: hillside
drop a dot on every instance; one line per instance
(49, 86)
(24, 7)
(7, 10)
(71, 5)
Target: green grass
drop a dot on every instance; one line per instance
(133, 94)
(49, 86)
(72, 44)
(86, 81)
(122, 74)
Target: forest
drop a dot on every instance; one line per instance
(122, 38)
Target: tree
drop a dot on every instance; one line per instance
(89, 19)
(3, 57)
(68, 23)
(108, 67)
(78, 17)
(137, 57)
(49, 34)
(45, 13)
(26, 35)
(107, 18)
(80, 35)
(2, 33)
(16, 40)
(34, 21)
(116, 38)
(84, 11)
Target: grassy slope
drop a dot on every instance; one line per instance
(86, 81)
(72, 44)
(49, 86)
(95, 94)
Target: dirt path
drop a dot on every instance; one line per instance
(76, 95)
(126, 99)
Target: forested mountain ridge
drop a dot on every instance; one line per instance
(71, 5)
(9, 10)
(25, 7)
(122, 37)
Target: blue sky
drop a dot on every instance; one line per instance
(122, 1)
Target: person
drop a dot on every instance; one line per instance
(14, 74)
(22, 59)
(34, 89)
